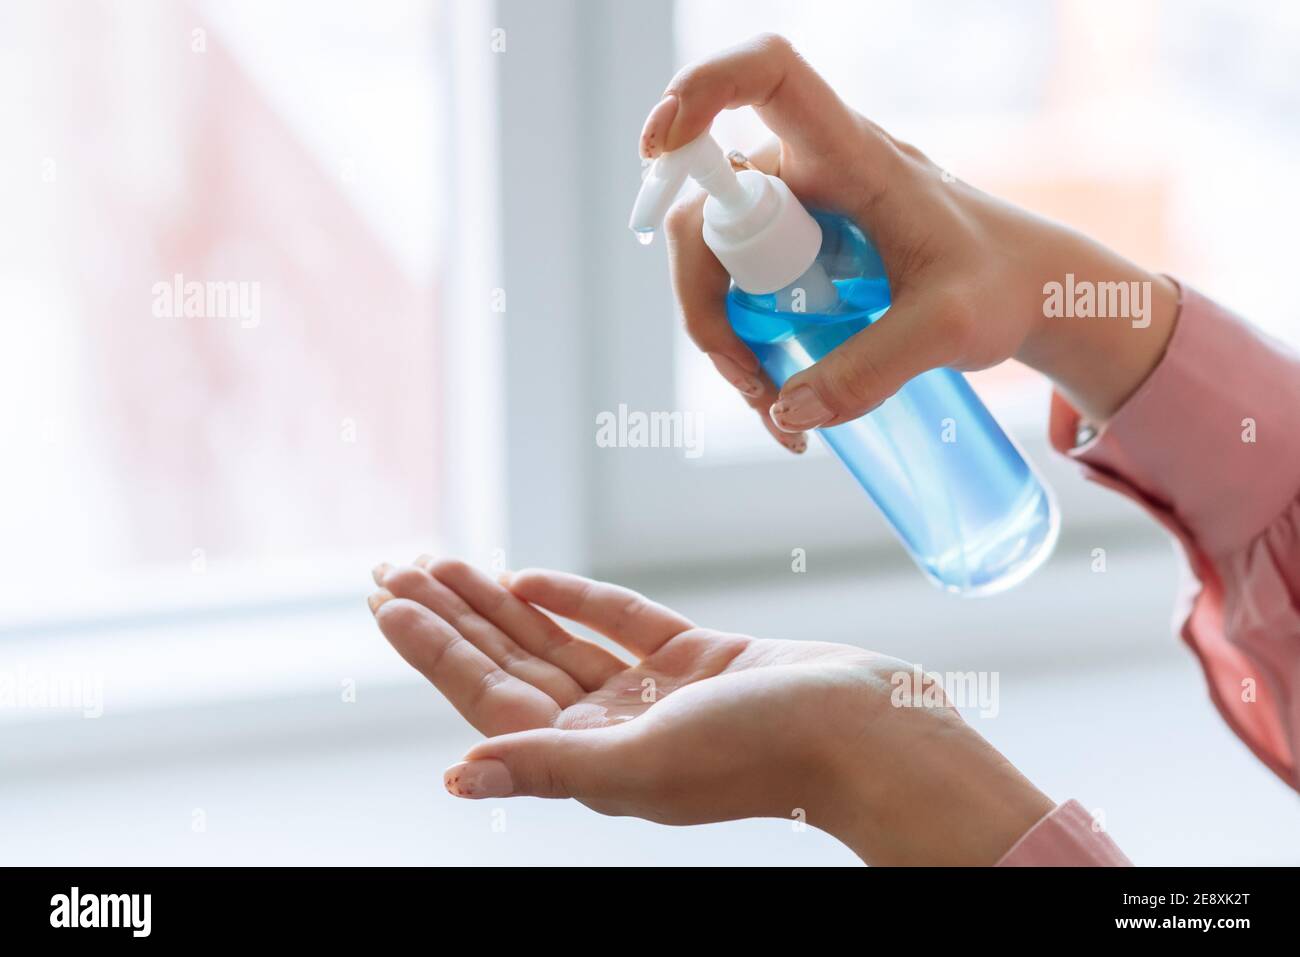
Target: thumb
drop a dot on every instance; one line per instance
(917, 334)
(545, 763)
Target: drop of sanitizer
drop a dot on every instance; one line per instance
(644, 236)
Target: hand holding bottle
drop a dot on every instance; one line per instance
(967, 271)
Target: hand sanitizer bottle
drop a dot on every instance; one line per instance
(969, 509)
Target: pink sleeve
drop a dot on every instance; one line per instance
(1210, 446)
(1067, 837)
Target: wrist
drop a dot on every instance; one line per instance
(950, 799)
(1099, 323)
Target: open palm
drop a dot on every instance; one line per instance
(705, 725)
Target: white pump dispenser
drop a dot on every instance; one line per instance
(760, 233)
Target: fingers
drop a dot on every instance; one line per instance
(915, 335)
(634, 621)
(493, 701)
(417, 585)
(766, 73)
(546, 763)
(796, 441)
(586, 662)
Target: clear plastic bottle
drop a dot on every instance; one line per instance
(968, 507)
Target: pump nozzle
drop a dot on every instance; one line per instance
(702, 160)
(752, 222)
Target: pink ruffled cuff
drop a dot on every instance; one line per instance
(1209, 445)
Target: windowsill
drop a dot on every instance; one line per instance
(186, 591)
(187, 661)
(1065, 614)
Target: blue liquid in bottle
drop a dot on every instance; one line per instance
(968, 507)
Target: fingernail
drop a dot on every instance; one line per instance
(655, 132)
(479, 779)
(423, 561)
(504, 579)
(379, 571)
(730, 370)
(801, 409)
(377, 599)
(798, 444)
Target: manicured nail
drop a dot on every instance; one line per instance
(801, 409)
(798, 444)
(730, 370)
(655, 132)
(379, 571)
(423, 561)
(479, 779)
(377, 599)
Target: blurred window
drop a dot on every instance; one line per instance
(219, 288)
